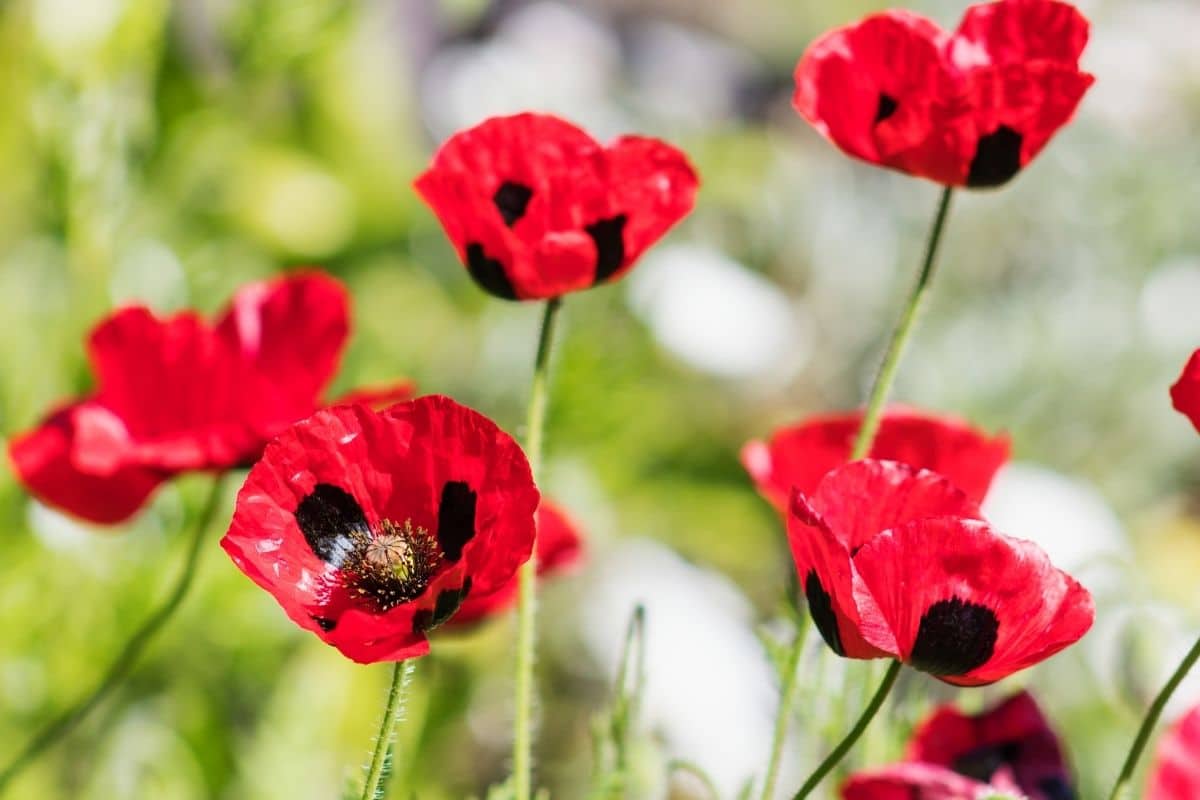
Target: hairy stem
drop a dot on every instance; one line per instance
(402, 673)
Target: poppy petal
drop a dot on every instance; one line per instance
(1185, 393)
(1175, 774)
(1018, 31)
(913, 781)
(969, 605)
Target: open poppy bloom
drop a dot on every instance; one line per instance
(895, 562)
(178, 394)
(536, 208)
(559, 546)
(1185, 393)
(1175, 774)
(799, 456)
(372, 528)
(969, 108)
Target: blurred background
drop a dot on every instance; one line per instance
(166, 152)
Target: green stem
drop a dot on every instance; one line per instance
(402, 673)
(839, 752)
(527, 576)
(55, 730)
(900, 337)
(787, 701)
(1121, 788)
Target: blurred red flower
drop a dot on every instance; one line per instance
(895, 562)
(1175, 774)
(1185, 393)
(969, 108)
(559, 547)
(178, 394)
(799, 456)
(914, 781)
(536, 208)
(371, 528)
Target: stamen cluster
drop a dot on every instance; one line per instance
(391, 565)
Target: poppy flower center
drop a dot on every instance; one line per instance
(391, 565)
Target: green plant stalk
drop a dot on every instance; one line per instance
(864, 720)
(787, 701)
(901, 335)
(522, 757)
(1121, 788)
(59, 727)
(402, 673)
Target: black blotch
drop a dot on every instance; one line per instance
(489, 273)
(997, 158)
(448, 602)
(327, 517)
(325, 624)
(1057, 788)
(820, 607)
(887, 106)
(983, 762)
(456, 519)
(511, 200)
(954, 637)
(609, 237)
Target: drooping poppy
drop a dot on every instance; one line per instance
(177, 394)
(798, 456)
(537, 208)
(1175, 774)
(1010, 746)
(372, 528)
(895, 562)
(559, 546)
(1185, 393)
(968, 108)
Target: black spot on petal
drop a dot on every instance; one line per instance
(887, 106)
(954, 637)
(489, 273)
(511, 200)
(456, 519)
(448, 602)
(609, 237)
(983, 762)
(1057, 788)
(330, 517)
(325, 624)
(820, 607)
(997, 158)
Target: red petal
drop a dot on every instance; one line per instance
(1185, 393)
(912, 782)
(1175, 774)
(44, 461)
(1019, 31)
(800, 456)
(961, 577)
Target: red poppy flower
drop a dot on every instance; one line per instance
(371, 528)
(537, 208)
(895, 562)
(969, 108)
(800, 455)
(179, 394)
(1175, 774)
(914, 781)
(1185, 393)
(1010, 746)
(559, 546)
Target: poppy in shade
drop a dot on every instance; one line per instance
(177, 394)
(799, 456)
(1185, 393)
(536, 208)
(895, 562)
(559, 547)
(915, 781)
(1010, 746)
(1175, 774)
(968, 108)
(372, 528)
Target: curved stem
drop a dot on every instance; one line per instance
(61, 725)
(839, 752)
(402, 673)
(900, 337)
(1121, 788)
(787, 701)
(527, 575)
